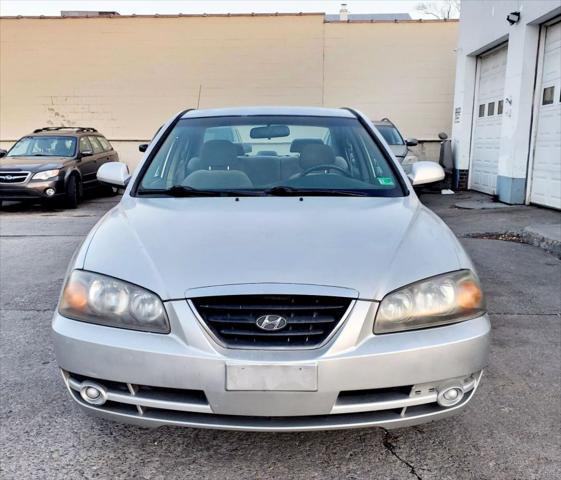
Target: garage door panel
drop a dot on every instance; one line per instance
(488, 121)
(546, 170)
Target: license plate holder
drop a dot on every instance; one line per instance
(272, 378)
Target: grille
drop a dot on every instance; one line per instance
(13, 177)
(309, 319)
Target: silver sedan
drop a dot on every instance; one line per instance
(271, 269)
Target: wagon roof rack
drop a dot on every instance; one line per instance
(54, 129)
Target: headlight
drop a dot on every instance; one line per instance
(94, 298)
(439, 300)
(46, 175)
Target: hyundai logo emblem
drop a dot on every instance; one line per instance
(271, 323)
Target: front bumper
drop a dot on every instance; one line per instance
(363, 380)
(31, 190)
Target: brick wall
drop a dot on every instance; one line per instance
(126, 75)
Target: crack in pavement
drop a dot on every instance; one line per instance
(388, 445)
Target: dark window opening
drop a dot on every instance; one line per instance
(500, 104)
(482, 110)
(548, 94)
(491, 109)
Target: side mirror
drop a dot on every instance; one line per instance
(3, 152)
(86, 153)
(143, 147)
(425, 172)
(115, 174)
(412, 142)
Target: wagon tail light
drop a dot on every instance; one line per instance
(444, 299)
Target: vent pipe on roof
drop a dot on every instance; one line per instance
(343, 13)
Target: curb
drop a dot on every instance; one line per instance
(534, 235)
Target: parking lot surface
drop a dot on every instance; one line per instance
(510, 430)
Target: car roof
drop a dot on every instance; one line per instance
(385, 121)
(249, 111)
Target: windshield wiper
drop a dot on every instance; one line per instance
(182, 191)
(285, 191)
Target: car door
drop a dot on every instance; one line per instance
(87, 163)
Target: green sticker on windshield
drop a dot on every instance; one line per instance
(386, 181)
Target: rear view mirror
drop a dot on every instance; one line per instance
(115, 174)
(425, 172)
(143, 147)
(3, 152)
(270, 131)
(412, 142)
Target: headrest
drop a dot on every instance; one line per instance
(313, 155)
(218, 179)
(243, 148)
(219, 153)
(298, 144)
(267, 153)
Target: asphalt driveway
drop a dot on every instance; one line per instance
(509, 431)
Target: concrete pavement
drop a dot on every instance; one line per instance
(509, 431)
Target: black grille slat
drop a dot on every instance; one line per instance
(309, 319)
(251, 319)
(293, 333)
(230, 319)
(234, 307)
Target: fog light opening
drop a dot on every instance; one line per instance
(450, 396)
(50, 192)
(93, 393)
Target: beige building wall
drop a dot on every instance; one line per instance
(404, 71)
(126, 75)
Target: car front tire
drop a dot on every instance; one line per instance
(72, 194)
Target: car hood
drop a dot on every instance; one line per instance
(369, 245)
(32, 164)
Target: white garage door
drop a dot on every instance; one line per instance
(488, 114)
(546, 171)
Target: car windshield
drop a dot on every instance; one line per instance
(44, 146)
(276, 155)
(390, 134)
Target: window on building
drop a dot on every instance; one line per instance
(500, 104)
(97, 148)
(491, 109)
(548, 93)
(482, 110)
